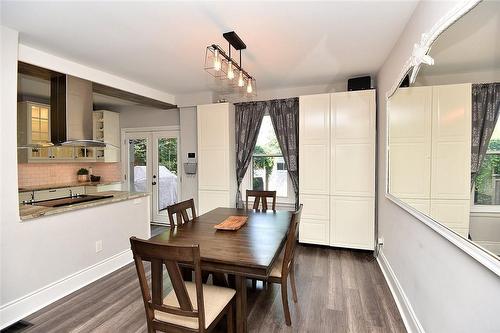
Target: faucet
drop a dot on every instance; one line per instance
(70, 193)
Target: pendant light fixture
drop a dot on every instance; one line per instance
(222, 66)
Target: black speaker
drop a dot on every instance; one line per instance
(359, 83)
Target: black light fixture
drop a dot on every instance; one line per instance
(222, 66)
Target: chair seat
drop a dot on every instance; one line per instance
(277, 265)
(215, 299)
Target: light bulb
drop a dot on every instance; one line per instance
(249, 86)
(230, 71)
(241, 82)
(217, 64)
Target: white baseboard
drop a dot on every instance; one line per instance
(26, 305)
(409, 317)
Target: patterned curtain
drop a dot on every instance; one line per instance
(485, 112)
(248, 121)
(285, 118)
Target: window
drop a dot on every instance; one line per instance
(269, 171)
(487, 184)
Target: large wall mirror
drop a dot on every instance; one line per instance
(444, 131)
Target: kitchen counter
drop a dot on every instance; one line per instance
(28, 212)
(62, 185)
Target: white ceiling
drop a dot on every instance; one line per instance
(472, 44)
(162, 44)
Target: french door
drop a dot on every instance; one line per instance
(153, 167)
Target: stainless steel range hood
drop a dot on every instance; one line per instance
(71, 112)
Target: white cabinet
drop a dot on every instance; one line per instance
(106, 128)
(337, 169)
(103, 188)
(409, 126)
(216, 156)
(429, 151)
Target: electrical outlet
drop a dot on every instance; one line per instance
(98, 246)
(137, 201)
(381, 241)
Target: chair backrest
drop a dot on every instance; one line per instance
(180, 210)
(170, 256)
(261, 196)
(291, 241)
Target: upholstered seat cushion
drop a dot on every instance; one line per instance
(214, 297)
(277, 265)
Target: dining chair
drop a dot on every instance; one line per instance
(189, 306)
(283, 266)
(180, 210)
(261, 196)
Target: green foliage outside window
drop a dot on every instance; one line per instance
(167, 153)
(489, 172)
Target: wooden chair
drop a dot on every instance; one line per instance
(190, 306)
(261, 196)
(180, 210)
(283, 265)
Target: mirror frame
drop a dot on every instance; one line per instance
(419, 56)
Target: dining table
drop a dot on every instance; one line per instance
(248, 252)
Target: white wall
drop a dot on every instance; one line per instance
(189, 143)
(140, 116)
(448, 290)
(41, 252)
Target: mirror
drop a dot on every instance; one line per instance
(444, 133)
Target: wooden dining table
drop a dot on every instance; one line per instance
(245, 253)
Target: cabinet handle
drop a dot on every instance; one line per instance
(52, 190)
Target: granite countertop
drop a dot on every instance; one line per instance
(28, 212)
(62, 185)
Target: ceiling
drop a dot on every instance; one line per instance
(472, 44)
(162, 44)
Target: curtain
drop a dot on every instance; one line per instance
(485, 112)
(248, 120)
(285, 118)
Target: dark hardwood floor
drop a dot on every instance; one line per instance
(338, 291)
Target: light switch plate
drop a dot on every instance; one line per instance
(98, 246)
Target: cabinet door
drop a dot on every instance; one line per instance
(213, 147)
(314, 144)
(409, 130)
(352, 222)
(314, 225)
(451, 141)
(454, 214)
(353, 143)
(209, 200)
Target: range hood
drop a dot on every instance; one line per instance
(71, 112)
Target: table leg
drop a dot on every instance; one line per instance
(241, 304)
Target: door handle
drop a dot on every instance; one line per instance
(154, 183)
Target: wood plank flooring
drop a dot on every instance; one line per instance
(338, 291)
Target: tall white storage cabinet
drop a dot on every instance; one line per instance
(337, 169)
(429, 149)
(216, 156)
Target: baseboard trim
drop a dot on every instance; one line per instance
(26, 305)
(409, 317)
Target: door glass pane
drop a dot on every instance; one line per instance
(137, 168)
(167, 173)
(35, 112)
(44, 113)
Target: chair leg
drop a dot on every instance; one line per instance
(230, 318)
(284, 299)
(292, 283)
(254, 284)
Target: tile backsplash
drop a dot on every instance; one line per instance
(34, 174)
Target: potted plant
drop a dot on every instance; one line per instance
(82, 175)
